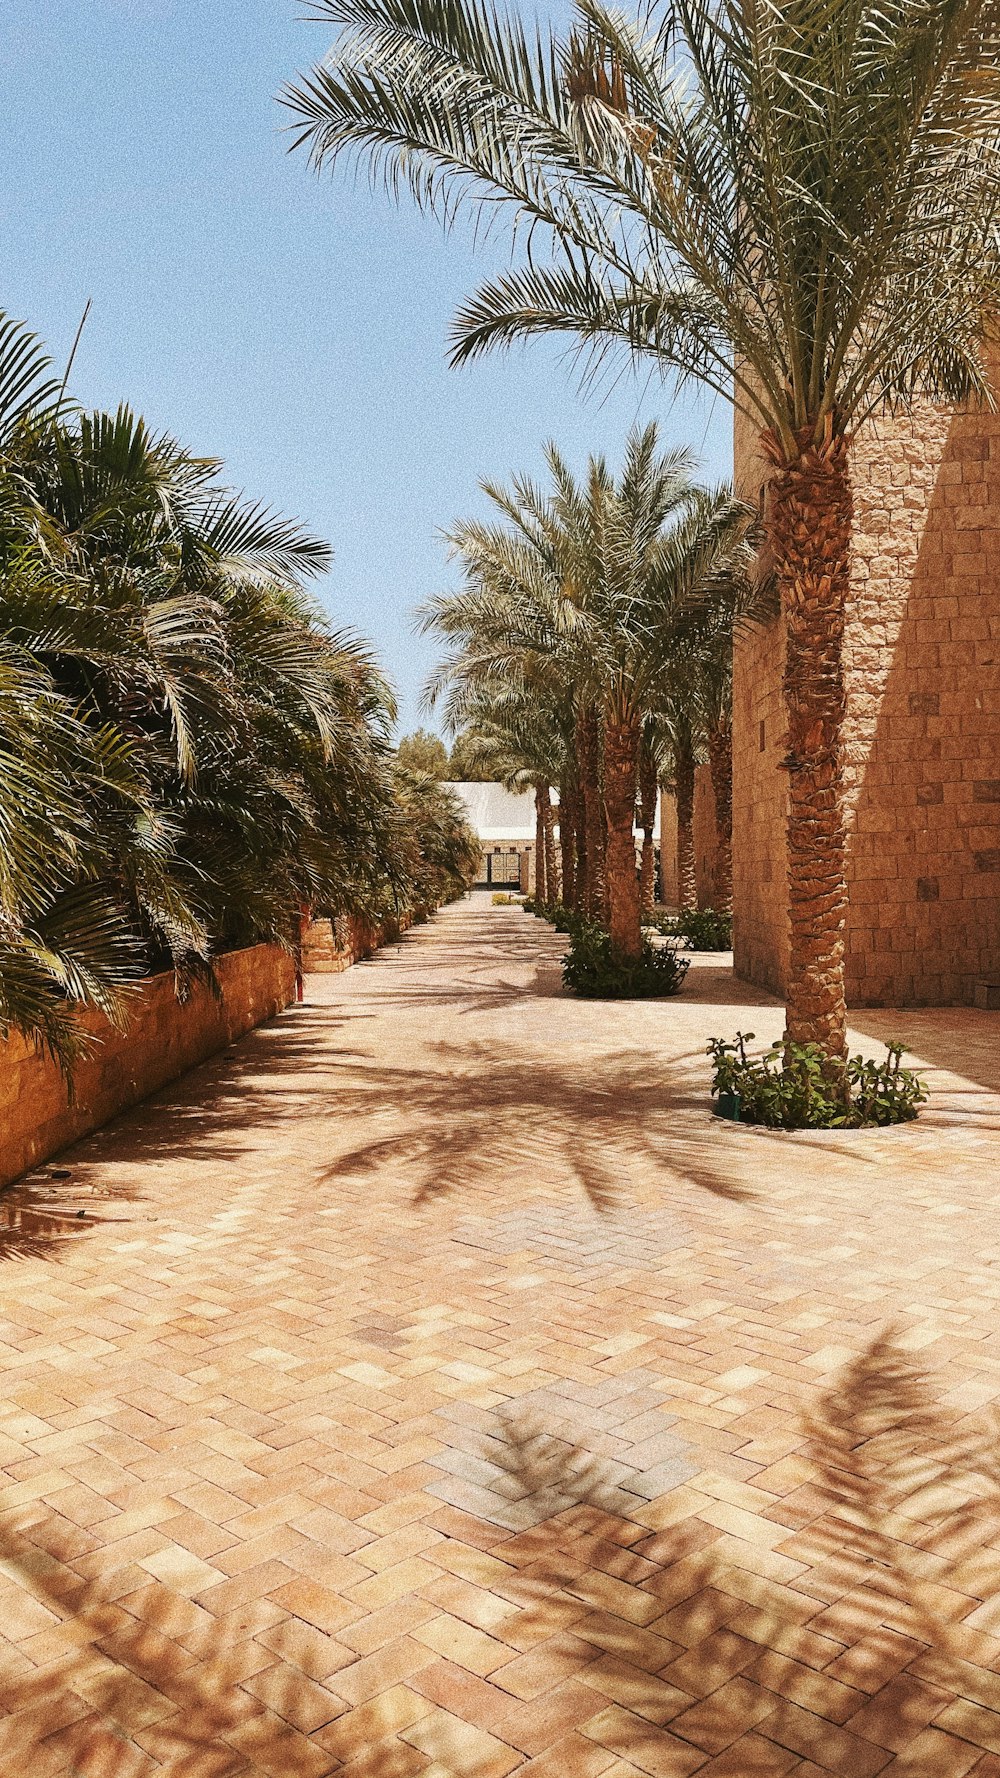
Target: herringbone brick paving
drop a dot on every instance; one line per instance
(432, 1387)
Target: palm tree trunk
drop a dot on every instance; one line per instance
(582, 883)
(541, 887)
(621, 759)
(684, 779)
(582, 861)
(809, 521)
(647, 819)
(567, 840)
(720, 765)
(551, 866)
(593, 819)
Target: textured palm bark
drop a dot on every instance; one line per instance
(809, 521)
(582, 880)
(720, 765)
(551, 862)
(621, 759)
(541, 887)
(593, 815)
(647, 821)
(567, 841)
(684, 786)
(605, 906)
(582, 884)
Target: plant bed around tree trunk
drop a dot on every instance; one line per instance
(593, 970)
(794, 1087)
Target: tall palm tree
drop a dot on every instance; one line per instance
(605, 584)
(652, 558)
(521, 738)
(796, 205)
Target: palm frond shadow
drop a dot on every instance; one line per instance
(474, 1113)
(464, 988)
(40, 1217)
(549, 1466)
(912, 1489)
(142, 1643)
(465, 996)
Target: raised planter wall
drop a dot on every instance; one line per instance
(329, 946)
(164, 1039)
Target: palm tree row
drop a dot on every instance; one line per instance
(591, 636)
(189, 755)
(796, 205)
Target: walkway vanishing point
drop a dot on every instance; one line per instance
(433, 1387)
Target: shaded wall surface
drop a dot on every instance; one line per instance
(165, 1038)
(922, 735)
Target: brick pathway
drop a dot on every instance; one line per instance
(431, 1387)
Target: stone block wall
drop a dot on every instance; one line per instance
(329, 946)
(164, 1039)
(922, 735)
(760, 925)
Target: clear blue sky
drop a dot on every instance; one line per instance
(295, 327)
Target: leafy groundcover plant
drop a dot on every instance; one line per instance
(702, 929)
(564, 919)
(591, 969)
(792, 1089)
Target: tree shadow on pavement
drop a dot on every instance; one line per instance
(912, 1490)
(42, 1214)
(148, 1680)
(599, 1121)
(679, 1640)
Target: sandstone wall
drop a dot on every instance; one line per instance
(328, 946)
(760, 925)
(923, 743)
(165, 1038)
(922, 735)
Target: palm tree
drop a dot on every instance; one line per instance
(522, 741)
(188, 753)
(795, 205)
(604, 586)
(651, 557)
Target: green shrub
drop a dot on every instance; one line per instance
(566, 919)
(590, 969)
(501, 899)
(794, 1088)
(702, 929)
(543, 910)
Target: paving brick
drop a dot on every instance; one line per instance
(231, 1433)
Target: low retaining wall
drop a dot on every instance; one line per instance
(165, 1038)
(329, 946)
